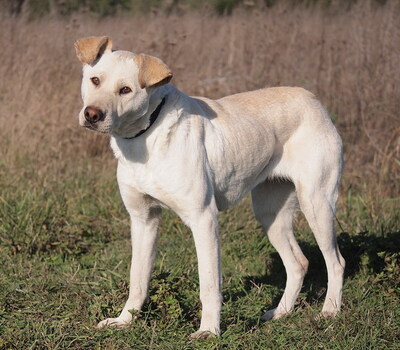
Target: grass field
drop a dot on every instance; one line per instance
(65, 256)
(64, 234)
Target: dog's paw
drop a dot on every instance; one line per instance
(327, 314)
(273, 314)
(113, 322)
(202, 335)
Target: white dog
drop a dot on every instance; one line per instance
(198, 156)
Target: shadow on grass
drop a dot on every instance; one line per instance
(361, 250)
(177, 295)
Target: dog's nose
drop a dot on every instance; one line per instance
(93, 114)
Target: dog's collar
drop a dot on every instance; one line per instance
(153, 118)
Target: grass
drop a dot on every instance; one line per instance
(348, 58)
(65, 252)
(103, 8)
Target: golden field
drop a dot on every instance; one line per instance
(349, 58)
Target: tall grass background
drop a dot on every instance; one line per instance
(349, 58)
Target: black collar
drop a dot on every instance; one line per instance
(153, 118)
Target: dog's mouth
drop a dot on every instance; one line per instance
(89, 126)
(94, 127)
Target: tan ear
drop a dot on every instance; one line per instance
(152, 71)
(92, 48)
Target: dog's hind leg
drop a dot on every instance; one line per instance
(274, 204)
(317, 199)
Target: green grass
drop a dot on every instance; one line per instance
(65, 252)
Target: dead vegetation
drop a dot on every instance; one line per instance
(349, 58)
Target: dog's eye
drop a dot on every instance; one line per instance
(125, 90)
(95, 81)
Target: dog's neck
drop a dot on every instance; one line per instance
(153, 118)
(173, 100)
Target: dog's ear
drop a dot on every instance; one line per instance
(152, 71)
(92, 48)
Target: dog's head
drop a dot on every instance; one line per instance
(116, 85)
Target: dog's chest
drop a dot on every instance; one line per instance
(149, 175)
(134, 169)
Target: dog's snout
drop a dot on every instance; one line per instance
(93, 114)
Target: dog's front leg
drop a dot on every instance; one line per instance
(206, 237)
(143, 233)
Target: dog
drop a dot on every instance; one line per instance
(198, 156)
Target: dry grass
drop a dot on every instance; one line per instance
(349, 58)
